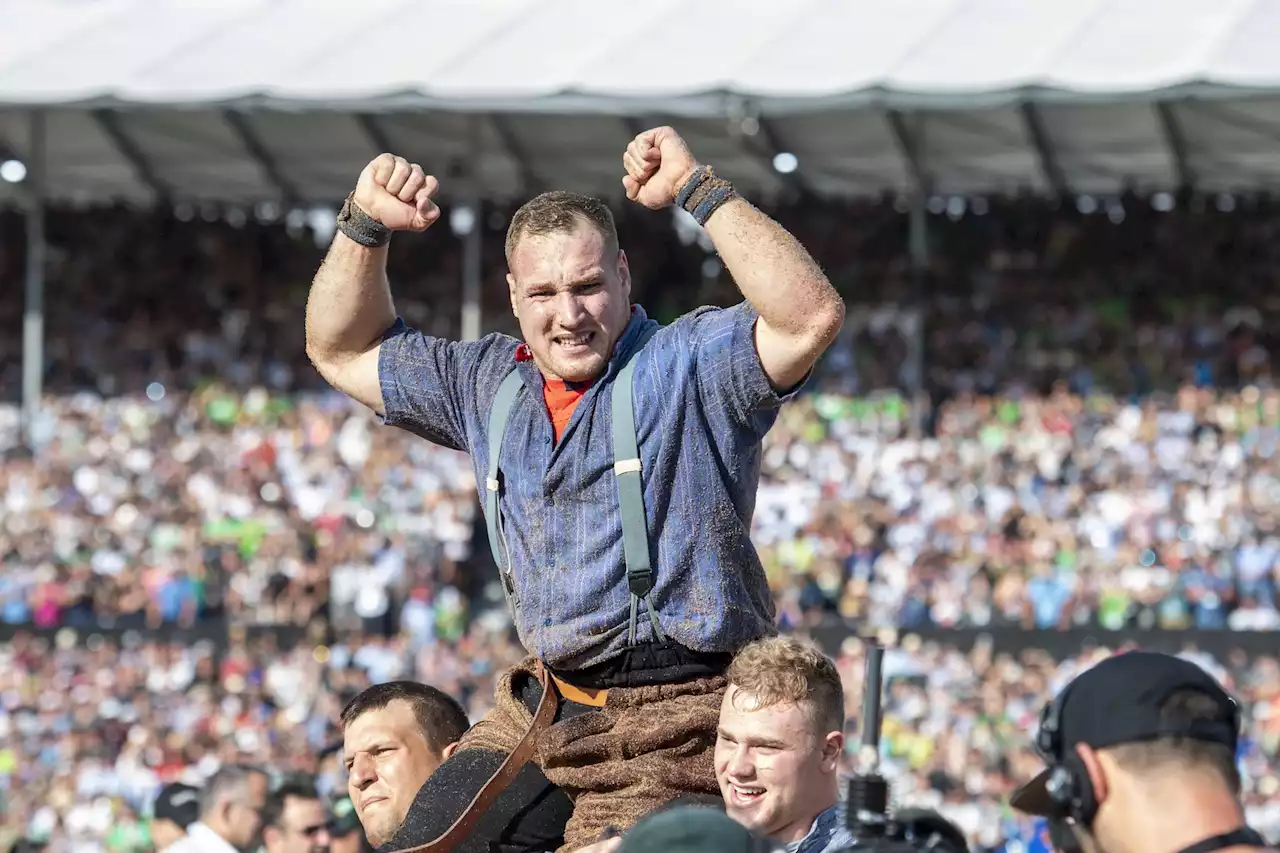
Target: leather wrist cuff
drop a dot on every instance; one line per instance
(360, 226)
(704, 193)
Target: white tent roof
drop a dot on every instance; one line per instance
(244, 100)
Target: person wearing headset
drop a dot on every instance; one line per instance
(1141, 752)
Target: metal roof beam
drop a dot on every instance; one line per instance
(1248, 123)
(1049, 165)
(239, 123)
(909, 149)
(772, 147)
(1176, 141)
(514, 149)
(374, 132)
(109, 123)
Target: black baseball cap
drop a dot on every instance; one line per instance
(345, 819)
(1118, 701)
(178, 803)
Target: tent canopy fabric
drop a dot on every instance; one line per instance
(250, 100)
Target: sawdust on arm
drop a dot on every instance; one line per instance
(800, 312)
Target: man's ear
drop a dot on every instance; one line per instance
(270, 835)
(1092, 766)
(449, 750)
(624, 272)
(511, 291)
(832, 749)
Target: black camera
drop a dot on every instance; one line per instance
(867, 804)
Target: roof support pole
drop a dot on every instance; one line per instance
(473, 241)
(33, 305)
(906, 138)
(908, 143)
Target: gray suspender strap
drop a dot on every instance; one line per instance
(626, 466)
(498, 416)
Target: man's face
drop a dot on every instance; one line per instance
(571, 293)
(387, 759)
(303, 828)
(244, 819)
(775, 769)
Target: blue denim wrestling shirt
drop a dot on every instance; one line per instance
(702, 406)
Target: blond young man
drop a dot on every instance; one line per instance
(779, 743)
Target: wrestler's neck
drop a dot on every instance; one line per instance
(802, 826)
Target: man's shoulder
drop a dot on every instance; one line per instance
(705, 314)
(705, 325)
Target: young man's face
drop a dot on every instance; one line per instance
(776, 770)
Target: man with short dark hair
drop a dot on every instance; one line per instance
(394, 736)
(294, 819)
(601, 444)
(1141, 752)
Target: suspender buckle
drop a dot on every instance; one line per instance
(640, 581)
(492, 484)
(626, 466)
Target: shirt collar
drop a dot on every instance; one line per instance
(816, 839)
(205, 835)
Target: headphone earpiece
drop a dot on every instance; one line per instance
(1068, 785)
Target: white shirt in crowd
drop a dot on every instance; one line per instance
(200, 839)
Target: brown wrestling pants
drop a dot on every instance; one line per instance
(592, 767)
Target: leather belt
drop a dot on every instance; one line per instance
(595, 698)
(519, 757)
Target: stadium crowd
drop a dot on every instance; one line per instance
(1083, 434)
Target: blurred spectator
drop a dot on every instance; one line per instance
(177, 806)
(294, 820)
(231, 812)
(346, 835)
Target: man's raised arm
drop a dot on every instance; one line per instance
(799, 311)
(349, 307)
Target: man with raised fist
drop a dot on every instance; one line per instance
(617, 461)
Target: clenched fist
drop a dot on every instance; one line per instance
(397, 193)
(658, 164)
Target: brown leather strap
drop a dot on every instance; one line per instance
(519, 757)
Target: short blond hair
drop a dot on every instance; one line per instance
(784, 670)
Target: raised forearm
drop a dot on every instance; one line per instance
(349, 306)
